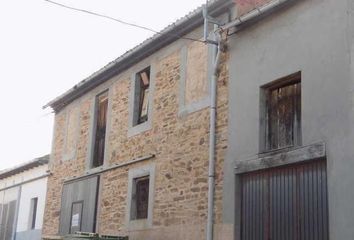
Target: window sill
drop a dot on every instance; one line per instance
(140, 224)
(135, 130)
(194, 107)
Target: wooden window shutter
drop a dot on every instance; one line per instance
(142, 197)
(283, 115)
(101, 121)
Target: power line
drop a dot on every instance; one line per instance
(121, 21)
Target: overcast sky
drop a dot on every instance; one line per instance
(46, 49)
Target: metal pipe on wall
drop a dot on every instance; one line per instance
(206, 22)
(212, 131)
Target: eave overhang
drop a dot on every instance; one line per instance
(170, 34)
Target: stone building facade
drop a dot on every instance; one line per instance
(170, 147)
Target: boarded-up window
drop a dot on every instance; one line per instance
(196, 83)
(33, 214)
(288, 203)
(72, 124)
(100, 131)
(140, 198)
(141, 101)
(283, 113)
(79, 206)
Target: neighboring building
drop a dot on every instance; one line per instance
(22, 200)
(130, 150)
(291, 121)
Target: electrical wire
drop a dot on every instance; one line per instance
(121, 21)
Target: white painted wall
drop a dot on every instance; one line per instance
(24, 176)
(23, 187)
(31, 190)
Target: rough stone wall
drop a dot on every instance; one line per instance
(181, 148)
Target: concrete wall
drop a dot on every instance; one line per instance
(316, 38)
(245, 6)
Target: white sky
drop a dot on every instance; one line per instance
(46, 49)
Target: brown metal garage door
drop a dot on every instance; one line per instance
(288, 203)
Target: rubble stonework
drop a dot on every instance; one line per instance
(180, 145)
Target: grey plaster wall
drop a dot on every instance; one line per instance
(316, 38)
(29, 235)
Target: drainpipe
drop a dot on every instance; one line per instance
(212, 126)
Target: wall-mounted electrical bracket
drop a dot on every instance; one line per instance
(207, 21)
